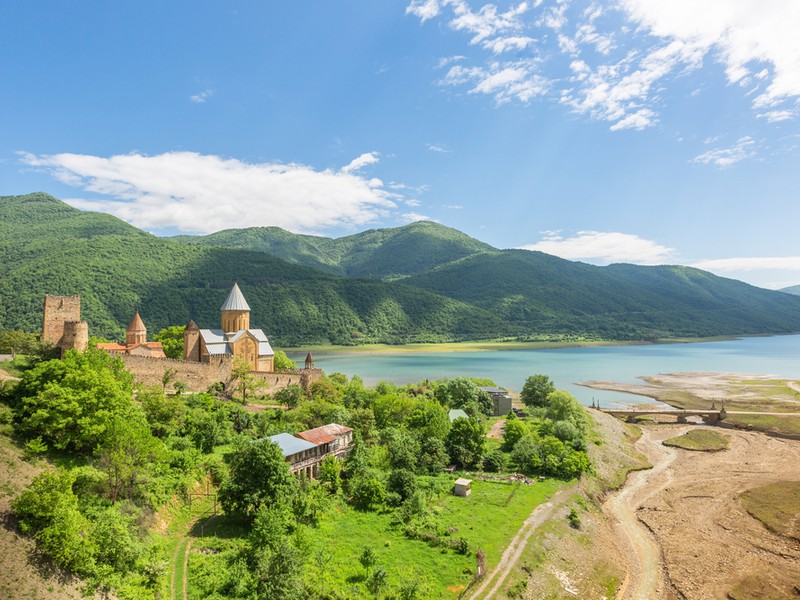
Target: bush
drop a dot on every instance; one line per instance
(494, 462)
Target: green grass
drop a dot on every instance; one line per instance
(776, 505)
(788, 426)
(700, 439)
(487, 519)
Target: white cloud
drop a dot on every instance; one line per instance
(202, 96)
(726, 265)
(454, 206)
(412, 217)
(203, 193)
(439, 148)
(368, 158)
(628, 52)
(603, 247)
(725, 157)
(412, 202)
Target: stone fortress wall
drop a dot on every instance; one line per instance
(62, 325)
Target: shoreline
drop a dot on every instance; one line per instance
(432, 347)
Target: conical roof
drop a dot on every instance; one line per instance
(235, 300)
(136, 324)
(192, 326)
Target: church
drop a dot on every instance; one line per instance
(235, 339)
(136, 343)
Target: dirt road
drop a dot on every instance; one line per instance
(706, 544)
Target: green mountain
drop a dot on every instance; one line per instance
(47, 247)
(420, 282)
(794, 289)
(377, 253)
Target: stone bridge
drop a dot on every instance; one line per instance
(711, 416)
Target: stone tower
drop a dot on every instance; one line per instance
(57, 311)
(191, 342)
(76, 336)
(309, 361)
(136, 332)
(235, 312)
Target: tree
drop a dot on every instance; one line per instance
(164, 413)
(466, 441)
(536, 389)
(403, 447)
(429, 419)
(329, 473)
(258, 476)
(171, 339)
(403, 483)
(16, 341)
(515, 430)
(281, 362)
(367, 491)
(433, 457)
(461, 391)
(562, 406)
(243, 378)
(279, 572)
(290, 396)
(71, 402)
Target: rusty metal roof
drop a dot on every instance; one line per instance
(324, 434)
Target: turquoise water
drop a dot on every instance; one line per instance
(778, 356)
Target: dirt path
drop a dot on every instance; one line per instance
(497, 430)
(644, 577)
(540, 514)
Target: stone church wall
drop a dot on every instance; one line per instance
(198, 377)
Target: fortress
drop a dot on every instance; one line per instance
(208, 353)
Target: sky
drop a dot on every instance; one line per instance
(637, 131)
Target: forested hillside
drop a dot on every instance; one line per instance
(47, 247)
(794, 289)
(420, 282)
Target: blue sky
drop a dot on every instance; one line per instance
(639, 131)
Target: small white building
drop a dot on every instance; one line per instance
(462, 487)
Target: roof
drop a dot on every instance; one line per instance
(462, 481)
(291, 445)
(494, 390)
(111, 347)
(324, 434)
(457, 413)
(235, 300)
(136, 324)
(217, 343)
(191, 325)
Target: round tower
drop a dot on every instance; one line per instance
(191, 342)
(235, 312)
(136, 332)
(76, 336)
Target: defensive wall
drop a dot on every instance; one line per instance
(199, 376)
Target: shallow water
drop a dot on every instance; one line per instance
(778, 356)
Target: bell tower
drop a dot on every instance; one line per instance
(136, 332)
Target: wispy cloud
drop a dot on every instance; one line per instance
(620, 57)
(603, 247)
(202, 96)
(453, 206)
(725, 157)
(439, 148)
(203, 193)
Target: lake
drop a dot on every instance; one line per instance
(777, 355)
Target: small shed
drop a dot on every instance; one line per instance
(462, 487)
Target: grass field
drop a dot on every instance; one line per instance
(776, 505)
(703, 440)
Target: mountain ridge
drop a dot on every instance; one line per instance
(420, 282)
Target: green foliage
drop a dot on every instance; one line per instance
(515, 430)
(164, 413)
(283, 362)
(460, 392)
(403, 448)
(171, 339)
(574, 519)
(15, 341)
(536, 389)
(329, 473)
(494, 461)
(259, 476)
(290, 396)
(403, 483)
(367, 491)
(367, 558)
(466, 442)
(70, 403)
(34, 448)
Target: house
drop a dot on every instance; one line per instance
(303, 456)
(501, 401)
(332, 438)
(305, 451)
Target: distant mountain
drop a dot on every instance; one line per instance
(794, 289)
(377, 253)
(420, 282)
